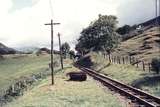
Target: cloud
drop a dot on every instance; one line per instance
(135, 11)
(25, 26)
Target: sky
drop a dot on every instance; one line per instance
(22, 21)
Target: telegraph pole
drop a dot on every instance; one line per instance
(52, 66)
(60, 50)
(156, 2)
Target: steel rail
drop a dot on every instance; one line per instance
(141, 97)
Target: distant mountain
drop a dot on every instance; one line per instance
(48, 51)
(6, 50)
(27, 49)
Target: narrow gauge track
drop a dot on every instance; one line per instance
(137, 96)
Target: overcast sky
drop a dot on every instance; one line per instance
(22, 21)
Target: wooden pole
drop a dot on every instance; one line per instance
(137, 62)
(123, 60)
(156, 12)
(143, 65)
(149, 67)
(60, 50)
(130, 59)
(52, 66)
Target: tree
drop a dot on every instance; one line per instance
(124, 30)
(65, 48)
(100, 35)
(72, 54)
(156, 65)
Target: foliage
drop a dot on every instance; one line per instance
(100, 35)
(67, 94)
(72, 54)
(124, 30)
(65, 48)
(156, 65)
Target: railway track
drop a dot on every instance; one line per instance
(137, 96)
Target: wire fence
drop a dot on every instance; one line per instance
(20, 85)
(145, 66)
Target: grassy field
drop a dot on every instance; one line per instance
(128, 74)
(67, 94)
(15, 66)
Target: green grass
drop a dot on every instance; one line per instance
(67, 94)
(137, 45)
(128, 74)
(124, 73)
(12, 68)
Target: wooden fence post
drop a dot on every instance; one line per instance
(112, 59)
(119, 60)
(149, 67)
(13, 88)
(123, 60)
(143, 65)
(137, 62)
(133, 60)
(130, 59)
(126, 58)
(109, 57)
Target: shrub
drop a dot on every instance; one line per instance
(156, 65)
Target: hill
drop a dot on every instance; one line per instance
(151, 22)
(27, 49)
(6, 50)
(143, 46)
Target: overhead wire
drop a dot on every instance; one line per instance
(51, 8)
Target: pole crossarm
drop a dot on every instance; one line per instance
(52, 66)
(52, 23)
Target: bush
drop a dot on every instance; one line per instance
(156, 65)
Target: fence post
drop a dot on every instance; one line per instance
(13, 88)
(109, 57)
(143, 65)
(112, 60)
(126, 58)
(130, 59)
(137, 62)
(133, 60)
(149, 67)
(123, 60)
(119, 60)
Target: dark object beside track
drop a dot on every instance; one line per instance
(137, 96)
(77, 76)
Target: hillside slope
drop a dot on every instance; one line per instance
(6, 50)
(144, 46)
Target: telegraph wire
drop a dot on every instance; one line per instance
(51, 8)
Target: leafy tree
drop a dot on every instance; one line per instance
(100, 35)
(72, 54)
(124, 30)
(156, 65)
(65, 48)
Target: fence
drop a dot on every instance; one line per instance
(21, 85)
(130, 60)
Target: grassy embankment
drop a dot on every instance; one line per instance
(15, 66)
(144, 46)
(128, 74)
(67, 94)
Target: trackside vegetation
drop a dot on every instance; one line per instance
(67, 94)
